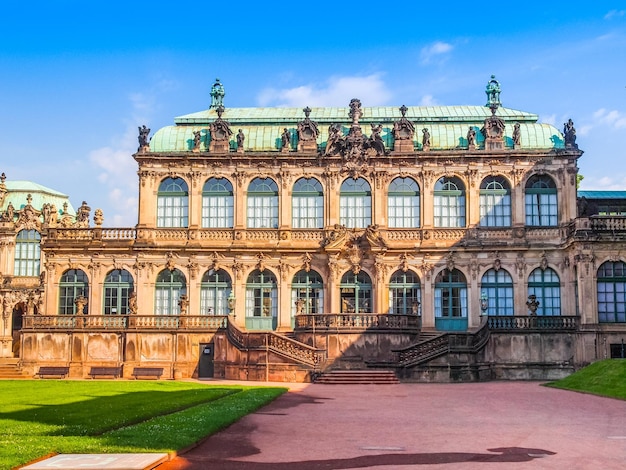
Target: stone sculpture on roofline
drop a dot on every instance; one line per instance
(493, 128)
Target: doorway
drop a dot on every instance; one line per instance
(205, 364)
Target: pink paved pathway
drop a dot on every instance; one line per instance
(512, 425)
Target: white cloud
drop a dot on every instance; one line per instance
(434, 50)
(614, 13)
(612, 118)
(428, 100)
(337, 91)
(550, 119)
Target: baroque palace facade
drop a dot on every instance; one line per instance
(443, 243)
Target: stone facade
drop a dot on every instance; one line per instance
(300, 243)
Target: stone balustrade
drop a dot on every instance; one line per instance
(123, 322)
(357, 321)
(533, 322)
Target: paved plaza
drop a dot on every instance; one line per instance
(512, 425)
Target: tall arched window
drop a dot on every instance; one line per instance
(403, 203)
(449, 202)
(451, 300)
(217, 203)
(307, 204)
(262, 203)
(612, 292)
(172, 203)
(404, 293)
(214, 291)
(27, 253)
(545, 285)
(307, 293)
(170, 285)
(118, 284)
(356, 293)
(495, 202)
(355, 203)
(73, 284)
(261, 300)
(541, 202)
(498, 286)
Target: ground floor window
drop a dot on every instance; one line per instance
(214, 291)
(356, 293)
(612, 292)
(307, 293)
(404, 293)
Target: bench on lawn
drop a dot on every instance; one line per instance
(53, 371)
(154, 372)
(114, 372)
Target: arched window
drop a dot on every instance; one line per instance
(214, 291)
(403, 203)
(449, 202)
(27, 253)
(495, 202)
(546, 287)
(450, 300)
(355, 203)
(307, 204)
(307, 293)
(262, 203)
(172, 203)
(498, 286)
(404, 293)
(72, 285)
(261, 300)
(170, 285)
(612, 292)
(541, 202)
(217, 203)
(356, 293)
(118, 284)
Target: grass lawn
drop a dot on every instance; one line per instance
(606, 378)
(65, 416)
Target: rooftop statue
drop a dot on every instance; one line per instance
(143, 136)
(335, 143)
(569, 132)
(376, 141)
(493, 93)
(217, 94)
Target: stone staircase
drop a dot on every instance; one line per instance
(358, 377)
(9, 369)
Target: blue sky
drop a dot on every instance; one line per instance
(78, 78)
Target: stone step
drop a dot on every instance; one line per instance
(380, 377)
(12, 371)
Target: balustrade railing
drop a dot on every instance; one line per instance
(124, 322)
(356, 321)
(533, 322)
(607, 223)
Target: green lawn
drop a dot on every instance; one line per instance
(606, 378)
(64, 416)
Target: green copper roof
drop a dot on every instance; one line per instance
(18, 192)
(447, 125)
(378, 114)
(602, 194)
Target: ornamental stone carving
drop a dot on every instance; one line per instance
(403, 131)
(29, 217)
(308, 132)
(220, 133)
